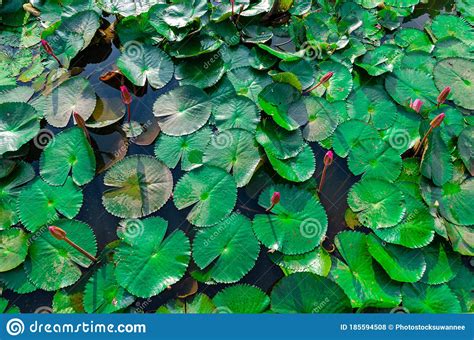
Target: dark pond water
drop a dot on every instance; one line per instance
(99, 58)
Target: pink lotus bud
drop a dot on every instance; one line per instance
(326, 77)
(47, 47)
(443, 95)
(57, 232)
(126, 96)
(276, 198)
(416, 105)
(328, 158)
(437, 120)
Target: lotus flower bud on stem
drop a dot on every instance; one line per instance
(416, 105)
(233, 6)
(433, 124)
(49, 50)
(328, 159)
(443, 95)
(61, 235)
(82, 124)
(126, 99)
(274, 200)
(323, 80)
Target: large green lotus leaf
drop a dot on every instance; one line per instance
(381, 60)
(140, 185)
(308, 293)
(447, 25)
(228, 250)
(461, 285)
(12, 61)
(67, 301)
(249, 82)
(236, 151)
(317, 261)
(140, 63)
(442, 264)
(280, 143)
(350, 134)
(102, 293)
(294, 226)
(182, 12)
(302, 69)
(461, 238)
(241, 299)
(203, 71)
(13, 248)
(363, 281)
(74, 95)
(126, 7)
(54, 263)
(211, 190)
(418, 60)
(276, 99)
(198, 304)
(466, 8)
(16, 94)
(407, 84)
(451, 47)
(404, 132)
(323, 117)
(10, 188)
(413, 39)
(422, 298)
(375, 159)
(68, 153)
(234, 57)
(236, 113)
(147, 262)
(40, 203)
(296, 169)
(371, 104)
(340, 84)
(189, 148)
(18, 125)
(400, 263)
(182, 110)
(17, 280)
(458, 73)
(378, 203)
(134, 30)
(436, 162)
(194, 46)
(72, 34)
(465, 147)
(452, 200)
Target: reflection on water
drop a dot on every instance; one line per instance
(110, 145)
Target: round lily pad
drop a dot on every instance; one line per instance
(296, 169)
(13, 248)
(146, 264)
(317, 261)
(350, 134)
(228, 250)
(40, 203)
(211, 190)
(68, 153)
(241, 299)
(17, 280)
(308, 293)
(458, 73)
(442, 264)
(140, 185)
(19, 125)
(422, 298)
(296, 225)
(282, 144)
(323, 118)
(54, 263)
(236, 151)
(182, 110)
(378, 203)
(198, 304)
(238, 112)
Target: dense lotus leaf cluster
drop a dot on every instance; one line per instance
(238, 86)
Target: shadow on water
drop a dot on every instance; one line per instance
(100, 58)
